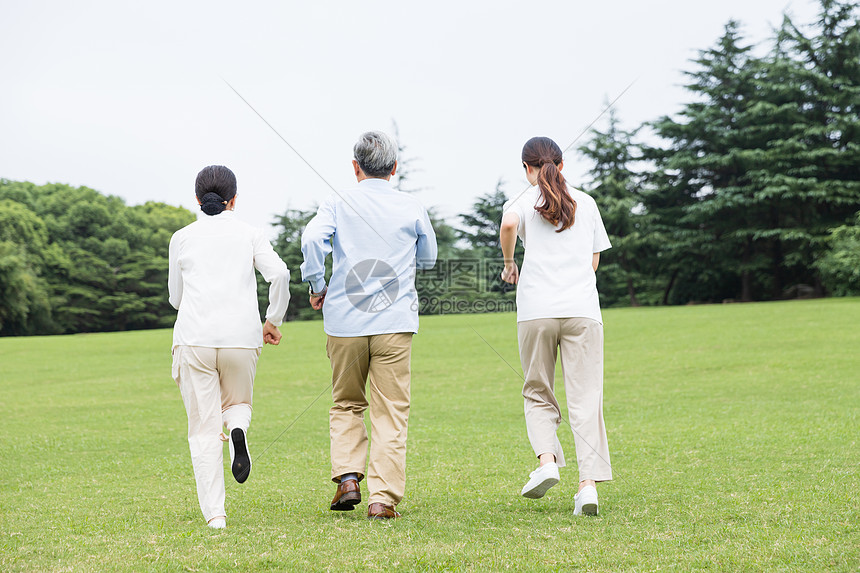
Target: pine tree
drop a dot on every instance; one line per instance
(481, 226)
(762, 167)
(614, 187)
(406, 169)
(829, 189)
(480, 232)
(288, 245)
(702, 207)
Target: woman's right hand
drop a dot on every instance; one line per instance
(271, 334)
(511, 274)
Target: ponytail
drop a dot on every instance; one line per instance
(557, 206)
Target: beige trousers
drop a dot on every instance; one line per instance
(217, 387)
(581, 343)
(383, 360)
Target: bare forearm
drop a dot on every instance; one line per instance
(508, 239)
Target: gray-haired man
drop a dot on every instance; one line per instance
(377, 237)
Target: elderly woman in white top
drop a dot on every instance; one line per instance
(218, 337)
(558, 310)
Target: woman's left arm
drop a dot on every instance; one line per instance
(600, 241)
(276, 273)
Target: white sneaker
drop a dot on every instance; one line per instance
(217, 523)
(541, 480)
(585, 502)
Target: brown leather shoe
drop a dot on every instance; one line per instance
(381, 511)
(347, 496)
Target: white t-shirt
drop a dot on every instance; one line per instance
(556, 278)
(212, 284)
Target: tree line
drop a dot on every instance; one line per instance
(751, 191)
(75, 260)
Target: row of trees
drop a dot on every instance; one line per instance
(74, 260)
(750, 192)
(753, 189)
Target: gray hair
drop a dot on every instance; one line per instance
(376, 153)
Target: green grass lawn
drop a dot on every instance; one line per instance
(733, 431)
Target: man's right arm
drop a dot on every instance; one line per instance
(426, 249)
(316, 245)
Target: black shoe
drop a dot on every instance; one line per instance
(239, 455)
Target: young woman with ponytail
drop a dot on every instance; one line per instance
(218, 338)
(558, 311)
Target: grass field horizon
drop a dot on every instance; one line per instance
(733, 432)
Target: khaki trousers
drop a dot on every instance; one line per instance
(383, 360)
(217, 387)
(581, 343)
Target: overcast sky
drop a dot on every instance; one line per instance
(130, 99)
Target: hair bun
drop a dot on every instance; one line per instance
(212, 204)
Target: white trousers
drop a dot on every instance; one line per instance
(217, 387)
(580, 341)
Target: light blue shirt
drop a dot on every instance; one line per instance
(378, 236)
